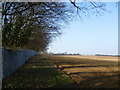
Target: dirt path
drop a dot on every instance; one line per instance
(88, 73)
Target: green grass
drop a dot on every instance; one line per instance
(37, 73)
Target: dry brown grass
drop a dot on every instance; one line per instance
(108, 58)
(89, 71)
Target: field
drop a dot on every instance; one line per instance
(89, 71)
(54, 71)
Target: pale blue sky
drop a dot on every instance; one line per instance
(93, 35)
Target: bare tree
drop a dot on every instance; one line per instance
(32, 25)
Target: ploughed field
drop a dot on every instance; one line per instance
(89, 71)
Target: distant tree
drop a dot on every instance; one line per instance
(98, 54)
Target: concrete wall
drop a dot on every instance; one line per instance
(1, 46)
(13, 59)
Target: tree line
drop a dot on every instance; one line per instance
(33, 25)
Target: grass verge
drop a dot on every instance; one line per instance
(38, 73)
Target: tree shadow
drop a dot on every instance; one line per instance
(93, 73)
(100, 82)
(38, 74)
(71, 85)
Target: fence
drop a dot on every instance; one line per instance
(13, 59)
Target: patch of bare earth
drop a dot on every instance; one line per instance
(89, 72)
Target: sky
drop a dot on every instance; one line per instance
(93, 35)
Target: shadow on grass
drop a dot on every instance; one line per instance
(89, 79)
(100, 82)
(94, 73)
(33, 74)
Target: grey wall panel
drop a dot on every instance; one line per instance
(12, 59)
